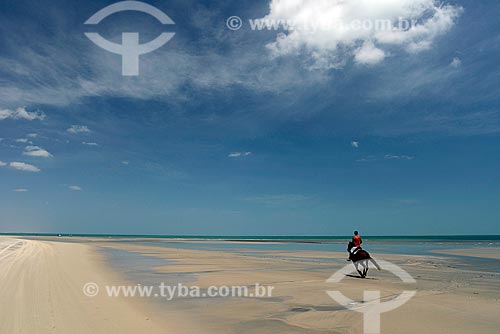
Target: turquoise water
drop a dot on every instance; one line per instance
(377, 246)
(387, 245)
(294, 238)
(374, 246)
(409, 245)
(140, 266)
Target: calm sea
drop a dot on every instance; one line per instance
(411, 245)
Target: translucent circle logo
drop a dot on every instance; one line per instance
(130, 49)
(372, 307)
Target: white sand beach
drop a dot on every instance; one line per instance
(41, 292)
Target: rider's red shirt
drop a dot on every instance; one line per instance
(356, 240)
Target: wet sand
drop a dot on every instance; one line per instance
(449, 299)
(42, 287)
(485, 253)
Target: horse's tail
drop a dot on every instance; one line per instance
(375, 264)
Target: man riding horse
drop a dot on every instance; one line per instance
(354, 245)
(358, 256)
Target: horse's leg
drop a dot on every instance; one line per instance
(356, 265)
(361, 271)
(365, 268)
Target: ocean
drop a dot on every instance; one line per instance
(407, 245)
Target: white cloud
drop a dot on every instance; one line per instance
(355, 144)
(239, 154)
(398, 157)
(2, 164)
(75, 188)
(76, 129)
(372, 158)
(369, 158)
(456, 62)
(368, 54)
(24, 167)
(20, 113)
(20, 190)
(32, 135)
(35, 151)
(125, 162)
(22, 140)
(334, 32)
(89, 144)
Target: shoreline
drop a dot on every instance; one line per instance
(483, 253)
(300, 304)
(49, 275)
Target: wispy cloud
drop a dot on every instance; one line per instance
(20, 190)
(36, 151)
(52, 72)
(371, 158)
(21, 113)
(239, 154)
(89, 143)
(355, 144)
(75, 188)
(368, 158)
(24, 167)
(398, 157)
(3, 164)
(22, 140)
(456, 62)
(77, 129)
(82, 70)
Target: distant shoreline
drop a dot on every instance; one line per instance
(280, 239)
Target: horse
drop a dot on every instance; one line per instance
(362, 258)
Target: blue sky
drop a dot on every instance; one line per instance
(251, 132)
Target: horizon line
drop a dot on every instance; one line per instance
(235, 236)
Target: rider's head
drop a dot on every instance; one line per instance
(356, 233)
